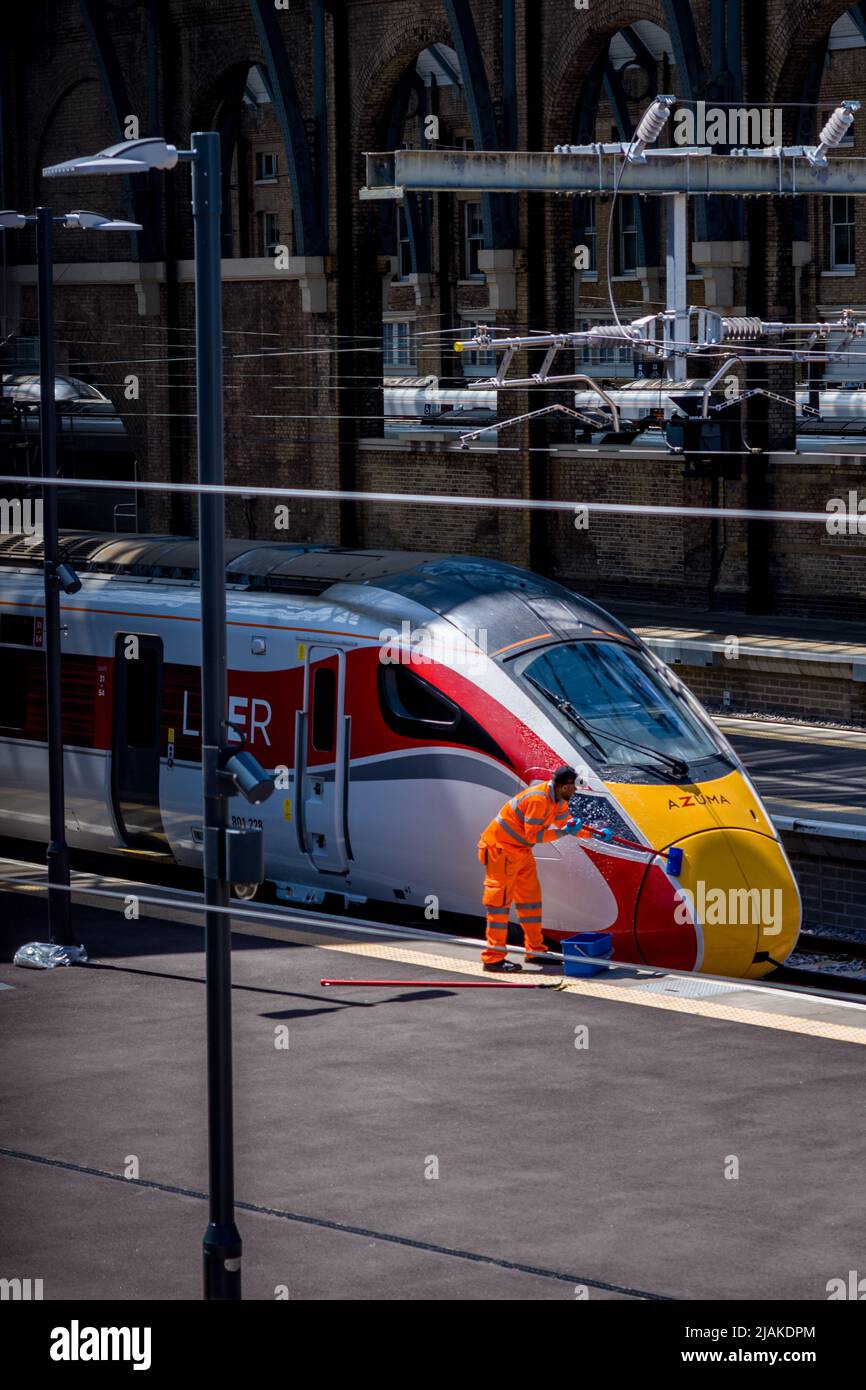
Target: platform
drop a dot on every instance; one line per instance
(762, 667)
(595, 1171)
(687, 633)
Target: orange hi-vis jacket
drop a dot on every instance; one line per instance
(532, 817)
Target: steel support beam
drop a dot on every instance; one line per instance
(687, 50)
(642, 55)
(509, 72)
(498, 213)
(416, 208)
(695, 172)
(857, 14)
(310, 233)
(320, 99)
(583, 130)
(692, 84)
(805, 124)
(647, 254)
(228, 124)
(144, 243)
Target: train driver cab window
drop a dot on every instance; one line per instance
(412, 704)
(615, 702)
(324, 709)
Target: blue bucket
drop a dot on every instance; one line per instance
(584, 951)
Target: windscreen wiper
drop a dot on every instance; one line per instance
(677, 766)
(569, 711)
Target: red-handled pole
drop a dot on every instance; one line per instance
(450, 984)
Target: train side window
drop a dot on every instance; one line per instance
(16, 629)
(414, 708)
(142, 699)
(324, 708)
(414, 701)
(13, 690)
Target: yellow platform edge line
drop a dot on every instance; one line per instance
(704, 1008)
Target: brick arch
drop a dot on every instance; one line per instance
(107, 193)
(788, 57)
(60, 92)
(214, 91)
(576, 56)
(382, 73)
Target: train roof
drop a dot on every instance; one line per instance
(512, 604)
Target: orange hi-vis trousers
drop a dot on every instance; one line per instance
(511, 877)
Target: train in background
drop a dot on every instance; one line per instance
(400, 698)
(92, 442)
(828, 418)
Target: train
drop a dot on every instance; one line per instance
(840, 409)
(828, 419)
(399, 698)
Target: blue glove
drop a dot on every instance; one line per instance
(572, 826)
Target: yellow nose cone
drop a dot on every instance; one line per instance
(740, 892)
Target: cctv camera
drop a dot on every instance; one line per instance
(249, 777)
(67, 578)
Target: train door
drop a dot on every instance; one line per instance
(135, 759)
(322, 753)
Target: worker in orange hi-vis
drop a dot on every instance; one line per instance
(535, 816)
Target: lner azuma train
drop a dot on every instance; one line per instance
(402, 697)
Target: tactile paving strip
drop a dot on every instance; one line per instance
(629, 994)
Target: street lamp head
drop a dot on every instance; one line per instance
(127, 157)
(96, 222)
(8, 218)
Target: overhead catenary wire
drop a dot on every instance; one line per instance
(245, 913)
(445, 500)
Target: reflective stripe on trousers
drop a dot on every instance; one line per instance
(512, 878)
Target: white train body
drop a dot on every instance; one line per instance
(385, 691)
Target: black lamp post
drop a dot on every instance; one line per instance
(57, 576)
(229, 856)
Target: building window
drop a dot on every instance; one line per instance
(404, 246)
(842, 254)
(627, 236)
(398, 343)
(482, 362)
(473, 240)
(267, 166)
(590, 232)
(268, 231)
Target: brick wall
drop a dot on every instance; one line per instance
(300, 418)
(832, 879)
(807, 690)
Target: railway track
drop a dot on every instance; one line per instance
(843, 970)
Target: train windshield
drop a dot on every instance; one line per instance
(609, 692)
